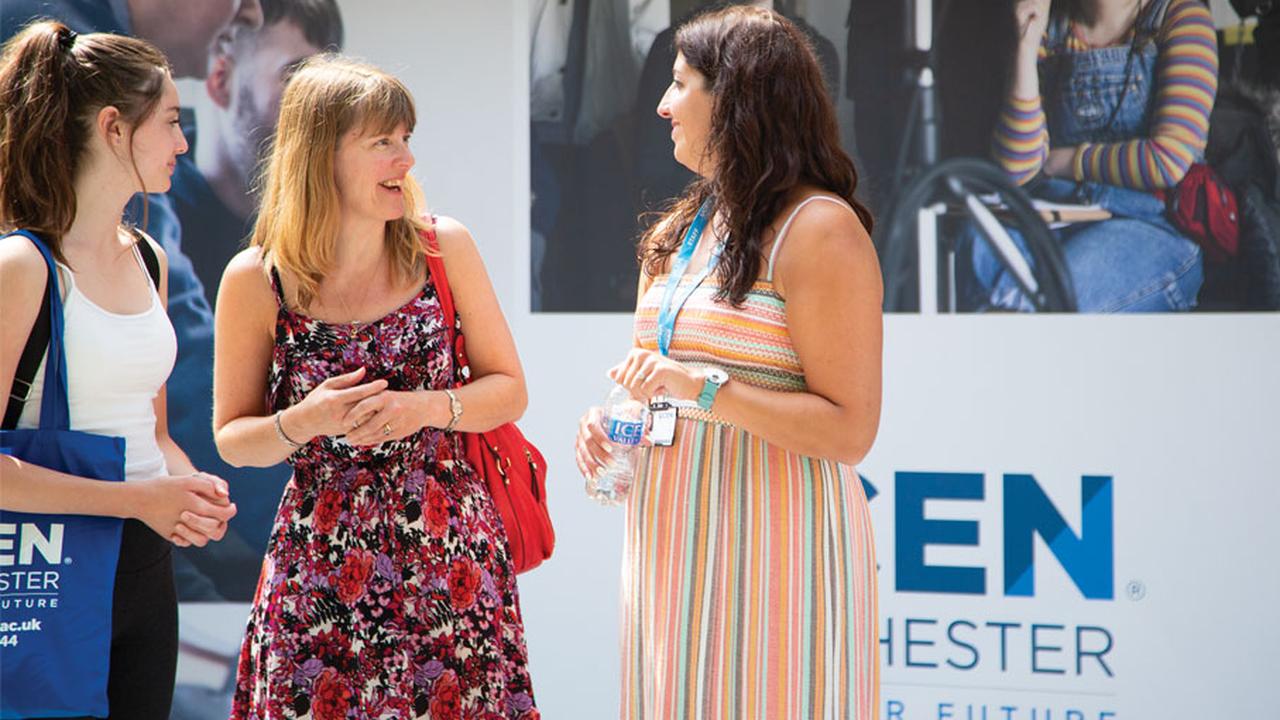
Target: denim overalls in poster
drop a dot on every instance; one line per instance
(1136, 261)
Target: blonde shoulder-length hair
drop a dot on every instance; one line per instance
(297, 226)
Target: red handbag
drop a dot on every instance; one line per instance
(1204, 207)
(512, 468)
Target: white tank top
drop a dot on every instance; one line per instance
(116, 364)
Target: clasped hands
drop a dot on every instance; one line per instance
(366, 413)
(187, 509)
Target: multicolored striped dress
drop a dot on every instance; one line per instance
(749, 579)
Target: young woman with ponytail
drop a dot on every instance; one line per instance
(87, 121)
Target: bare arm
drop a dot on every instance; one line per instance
(242, 342)
(1032, 18)
(497, 392)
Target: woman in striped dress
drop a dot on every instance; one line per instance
(749, 579)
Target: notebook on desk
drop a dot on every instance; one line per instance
(1058, 214)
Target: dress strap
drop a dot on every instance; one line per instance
(782, 234)
(277, 286)
(146, 256)
(142, 263)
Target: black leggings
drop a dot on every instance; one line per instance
(144, 627)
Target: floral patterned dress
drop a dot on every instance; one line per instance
(387, 590)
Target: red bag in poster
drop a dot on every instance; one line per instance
(1203, 207)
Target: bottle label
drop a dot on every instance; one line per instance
(625, 432)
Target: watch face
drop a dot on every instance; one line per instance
(717, 376)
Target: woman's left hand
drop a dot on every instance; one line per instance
(389, 415)
(647, 373)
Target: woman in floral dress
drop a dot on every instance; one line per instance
(387, 590)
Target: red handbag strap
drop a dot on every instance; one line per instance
(440, 279)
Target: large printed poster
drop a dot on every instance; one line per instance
(1151, 162)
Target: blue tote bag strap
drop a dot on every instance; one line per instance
(33, 351)
(55, 637)
(54, 414)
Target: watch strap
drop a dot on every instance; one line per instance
(709, 389)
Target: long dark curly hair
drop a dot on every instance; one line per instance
(772, 128)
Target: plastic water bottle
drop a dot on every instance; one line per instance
(623, 422)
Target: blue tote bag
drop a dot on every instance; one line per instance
(57, 572)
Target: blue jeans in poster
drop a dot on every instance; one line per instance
(1134, 262)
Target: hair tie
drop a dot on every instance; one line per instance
(67, 38)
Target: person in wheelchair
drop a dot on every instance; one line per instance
(1108, 104)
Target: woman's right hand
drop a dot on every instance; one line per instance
(591, 445)
(1032, 18)
(324, 410)
(186, 509)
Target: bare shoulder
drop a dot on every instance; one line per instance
(246, 279)
(453, 236)
(826, 217)
(249, 259)
(23, 272)
(24, 279)
(458, 250)
(661, 227)
(19, 259)
(824, 237)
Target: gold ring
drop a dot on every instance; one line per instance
(386, 430)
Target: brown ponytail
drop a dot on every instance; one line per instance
(53, 83)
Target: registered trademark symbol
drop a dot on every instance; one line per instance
(1136, 590)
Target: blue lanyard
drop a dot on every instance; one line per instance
(673, 301)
